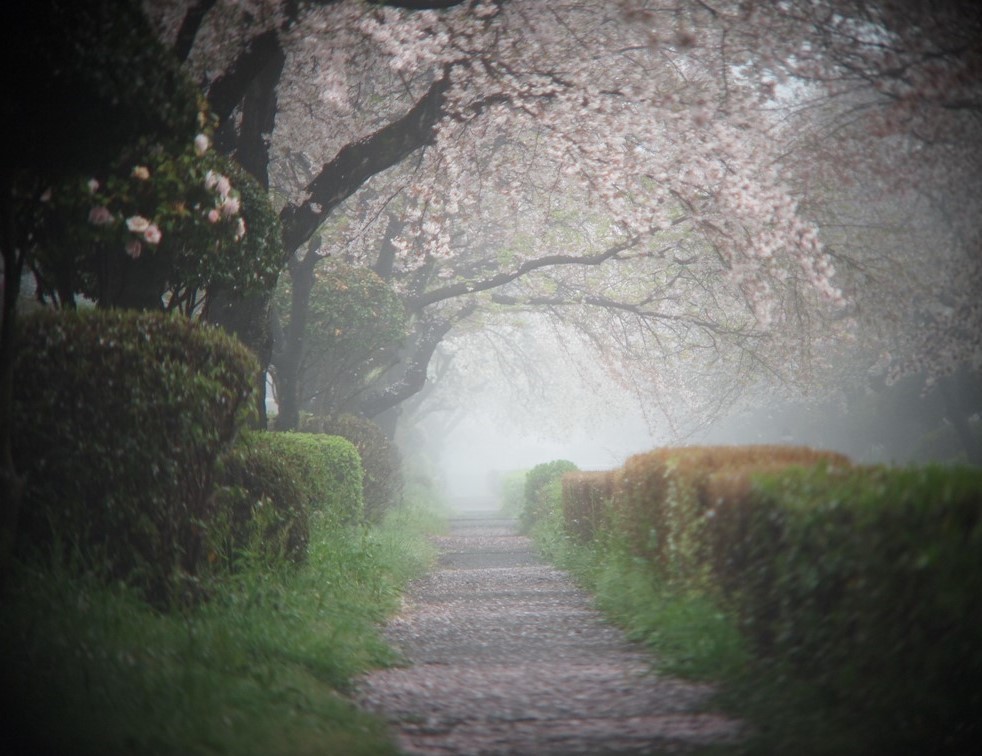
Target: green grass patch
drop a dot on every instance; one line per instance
(260, 668)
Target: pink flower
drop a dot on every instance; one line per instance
(137, 224)
(93, 185)
(230, 206)
(201, 144)
(240, 229)
(214, 216)
(224, 186)
(141, 172)
(152, 235)
(133, 248)
(101, 216)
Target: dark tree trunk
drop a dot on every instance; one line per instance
(290, 356)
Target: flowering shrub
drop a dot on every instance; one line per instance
(157, 224)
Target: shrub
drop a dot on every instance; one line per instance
(379, 458)
(586, 501)
(511, 489)
(327, 470)
(660, 510)
(867, 582)
(266, 507)
(118, 421)
(542, 491)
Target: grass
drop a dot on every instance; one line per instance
(260, 668)
(692, 637)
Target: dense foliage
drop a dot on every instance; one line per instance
(380, 459)
(119, 420)
(328, 471)
(542, 491)
(264, 509)
(354, 322)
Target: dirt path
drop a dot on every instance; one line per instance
(507, 656)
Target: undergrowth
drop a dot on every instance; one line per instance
(260, 668)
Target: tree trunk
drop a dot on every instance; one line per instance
(290, 357)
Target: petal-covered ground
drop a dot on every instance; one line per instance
(505, 655)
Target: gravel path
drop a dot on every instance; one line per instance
(506, 656)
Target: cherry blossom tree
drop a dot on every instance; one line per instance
(638, 171)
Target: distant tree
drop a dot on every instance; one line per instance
(354, 326)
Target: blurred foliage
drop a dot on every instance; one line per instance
(380, 459)
(543, 492)
(658, 508)
(586, 503)
(354, 321)
(866, 582)
(118, 421)
(856, 586)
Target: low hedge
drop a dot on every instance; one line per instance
(867, 582)
(119, 419)
(587, 499)
(265, 504)
(328, 472)
(380, 459)
(660, 508)
(542, 491)
(863, 582)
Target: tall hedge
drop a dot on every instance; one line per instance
(379, 457)
(118, 421)
(660, 509)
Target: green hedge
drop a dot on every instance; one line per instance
(542, 491)
(327, 470)
(118, 421)
(587, 498)
(379, 457)
(869, 583)
(266, 506)
(864, 583)
(660, 510)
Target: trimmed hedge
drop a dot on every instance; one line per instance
(660, 510)
(868, 582)
(542, 491)
(863, 582)
(586, 503)
(266, 506)
(327, 470)
(119, 418)
(379, 457)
